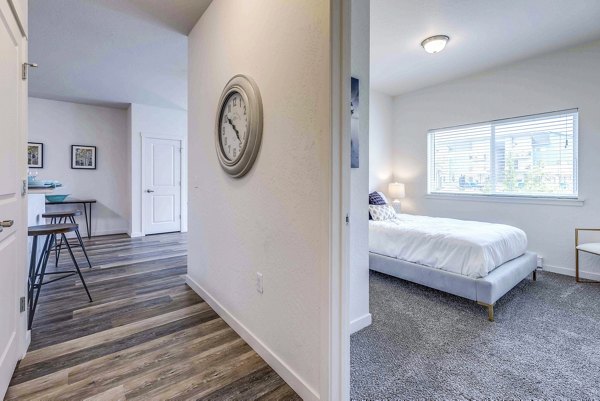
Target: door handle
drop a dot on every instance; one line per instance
(149, 190)
(7, 223)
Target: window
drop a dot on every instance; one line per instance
(532, 156)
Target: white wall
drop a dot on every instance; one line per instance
(58, 125)
(276, 219)
(562, 80)
(380, 141)
(155, 122)
(359, 177)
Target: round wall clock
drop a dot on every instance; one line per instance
(238, 131)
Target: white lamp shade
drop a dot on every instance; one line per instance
(396, 190)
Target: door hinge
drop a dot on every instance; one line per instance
(24, 188)
(25, 68)
(347, 219)
(22, 305)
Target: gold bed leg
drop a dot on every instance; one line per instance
(490, 309)
(535, 275)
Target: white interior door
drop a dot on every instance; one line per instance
(12, 201)
(161, 185)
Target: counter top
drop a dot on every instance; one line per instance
(40, 191)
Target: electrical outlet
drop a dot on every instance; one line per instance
(540, 262)
(259, 283)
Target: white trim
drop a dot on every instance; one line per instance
(18, 18)
(508, 199)
(136, 234)
(109, 232)
(571, 272)
(296, 383)
(360, 323)
(101, 233)
(23, 335)
(26, 344)
(144, 137)
(335, 289)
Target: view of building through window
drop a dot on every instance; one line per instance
(525, 156)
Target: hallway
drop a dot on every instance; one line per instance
(146, 336)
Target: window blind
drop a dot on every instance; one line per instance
(531, 156)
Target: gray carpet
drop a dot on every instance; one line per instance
(425, 344)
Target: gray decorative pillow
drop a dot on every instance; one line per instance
(382, 212)
(376, 199)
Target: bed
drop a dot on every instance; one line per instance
(475, 260)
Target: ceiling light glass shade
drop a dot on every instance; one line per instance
(435, 44)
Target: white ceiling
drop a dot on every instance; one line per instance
(112, 52)
(483, 34)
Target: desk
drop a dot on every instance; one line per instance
(85, 203)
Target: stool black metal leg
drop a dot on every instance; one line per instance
(58, 247)
(81, 242)
(88, 224)
(53, 221)
(45, 252)
(32, 268)
(76, 266)
(43, 255)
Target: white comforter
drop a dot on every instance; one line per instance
(470, 248)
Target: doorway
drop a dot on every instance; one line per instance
(161, 185)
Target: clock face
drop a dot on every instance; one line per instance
(238, 126)
(233, 126)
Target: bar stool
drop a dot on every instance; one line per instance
(37, 269)
(61, 217)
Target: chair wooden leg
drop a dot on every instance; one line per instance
(577, 265)
(577, 278)
(490, 310)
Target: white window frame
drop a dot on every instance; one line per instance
(568, 200)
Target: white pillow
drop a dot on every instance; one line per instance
(383, 197)
(382, 212)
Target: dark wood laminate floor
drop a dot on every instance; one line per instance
(146, 336)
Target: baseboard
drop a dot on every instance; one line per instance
(360, 323)
(27, 343)
(282, 369)
(136, 234)
(571, 272)
(107, 232)
(83, 233)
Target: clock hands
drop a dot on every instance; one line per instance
(234, 128)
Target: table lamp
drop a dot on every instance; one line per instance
(396, 191)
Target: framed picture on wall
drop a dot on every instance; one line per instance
(35, 155)
(354, 124)
(83, 157)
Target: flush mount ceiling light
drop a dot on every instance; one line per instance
(435, 44)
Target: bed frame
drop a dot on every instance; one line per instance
(485, 291)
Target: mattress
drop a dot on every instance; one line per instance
(470, 248)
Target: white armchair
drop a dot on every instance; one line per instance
(588, 247)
